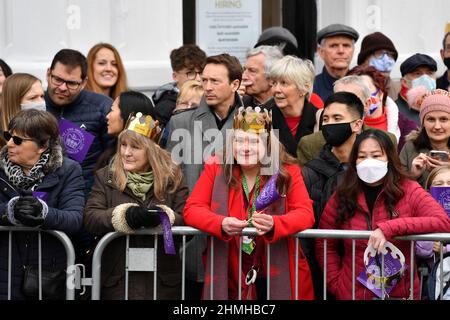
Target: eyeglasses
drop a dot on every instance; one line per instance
(17, 140)
(192, 74)
(71, 85)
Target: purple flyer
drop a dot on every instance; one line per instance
(169, 246)
(371, 276)
(76, 140)
(442, 196)
(268, 195)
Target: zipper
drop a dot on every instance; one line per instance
(369, 215)
(9, 185)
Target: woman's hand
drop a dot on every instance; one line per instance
(377, 240)
(433, 163)
(233, 226)
(262, 222)
(437, 246)
(419, 165)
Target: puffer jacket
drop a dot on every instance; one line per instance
(64, 185)
(417, 212)
(165, 100)
(104, 199)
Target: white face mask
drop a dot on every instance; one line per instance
(40, 105)
(372, 170)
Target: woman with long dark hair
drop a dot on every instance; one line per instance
(375, 194)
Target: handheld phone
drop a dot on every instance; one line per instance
(439, 155)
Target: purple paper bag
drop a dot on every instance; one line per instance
(41, 195)
(442, 195)
(268, 195)
(76, 140)
(371, 276)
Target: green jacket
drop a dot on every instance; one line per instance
(310, 146)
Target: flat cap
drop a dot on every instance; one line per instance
(416, 61)
(278, 34)
(337, 30)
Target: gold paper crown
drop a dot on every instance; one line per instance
(144, 125)
(255, 119)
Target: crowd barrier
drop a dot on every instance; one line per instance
(70, 254)
(135, 262)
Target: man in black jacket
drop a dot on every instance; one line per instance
(342, 121)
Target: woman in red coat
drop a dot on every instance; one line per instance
(375, 195)
(223, 204)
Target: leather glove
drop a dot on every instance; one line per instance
(138, 216)
(28, 211)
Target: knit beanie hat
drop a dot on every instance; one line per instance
(436, 100)
(373, 42)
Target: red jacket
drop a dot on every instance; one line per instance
(417, 212)
(299, 216)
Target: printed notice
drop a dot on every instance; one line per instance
(228, 26)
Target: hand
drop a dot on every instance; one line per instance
(241, 90)
(262, 222)
(377, 240)
(419, 165)
(28, 211)
(433, 163)
(233, 226)
(437, 247)
(138, 217)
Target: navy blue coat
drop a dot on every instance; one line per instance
(65, 188)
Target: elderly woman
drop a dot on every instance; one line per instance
(106, 73)
(140, 180)
(433, 135)
(20, 91)
(127, 103)
(223, 203)
(293, 115)
(39, 187)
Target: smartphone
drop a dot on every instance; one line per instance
(439, 155)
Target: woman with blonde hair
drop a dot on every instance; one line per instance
(141, 180)
(189, 97)
(20, 91)
(106, 72)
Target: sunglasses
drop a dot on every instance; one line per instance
(17, 140)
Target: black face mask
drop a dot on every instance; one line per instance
(447, 62)
(336, 134)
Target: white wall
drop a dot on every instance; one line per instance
(144, 32)
(413, 25)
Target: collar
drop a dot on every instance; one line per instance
(49, 102)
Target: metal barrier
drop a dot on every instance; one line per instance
(312, 233)
(70, 257)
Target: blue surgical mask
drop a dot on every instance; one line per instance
(383, 64)
(40, 105)
(425, 80)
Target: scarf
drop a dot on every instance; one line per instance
(18, 178)
(140, 183)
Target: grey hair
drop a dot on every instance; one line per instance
(271, 54)
(298, 71)
(356, 80)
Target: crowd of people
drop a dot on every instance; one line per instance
(344, 149)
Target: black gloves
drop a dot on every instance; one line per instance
(28, 211)
(138, 216)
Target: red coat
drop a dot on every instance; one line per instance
(417, 212)
(299, 216)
